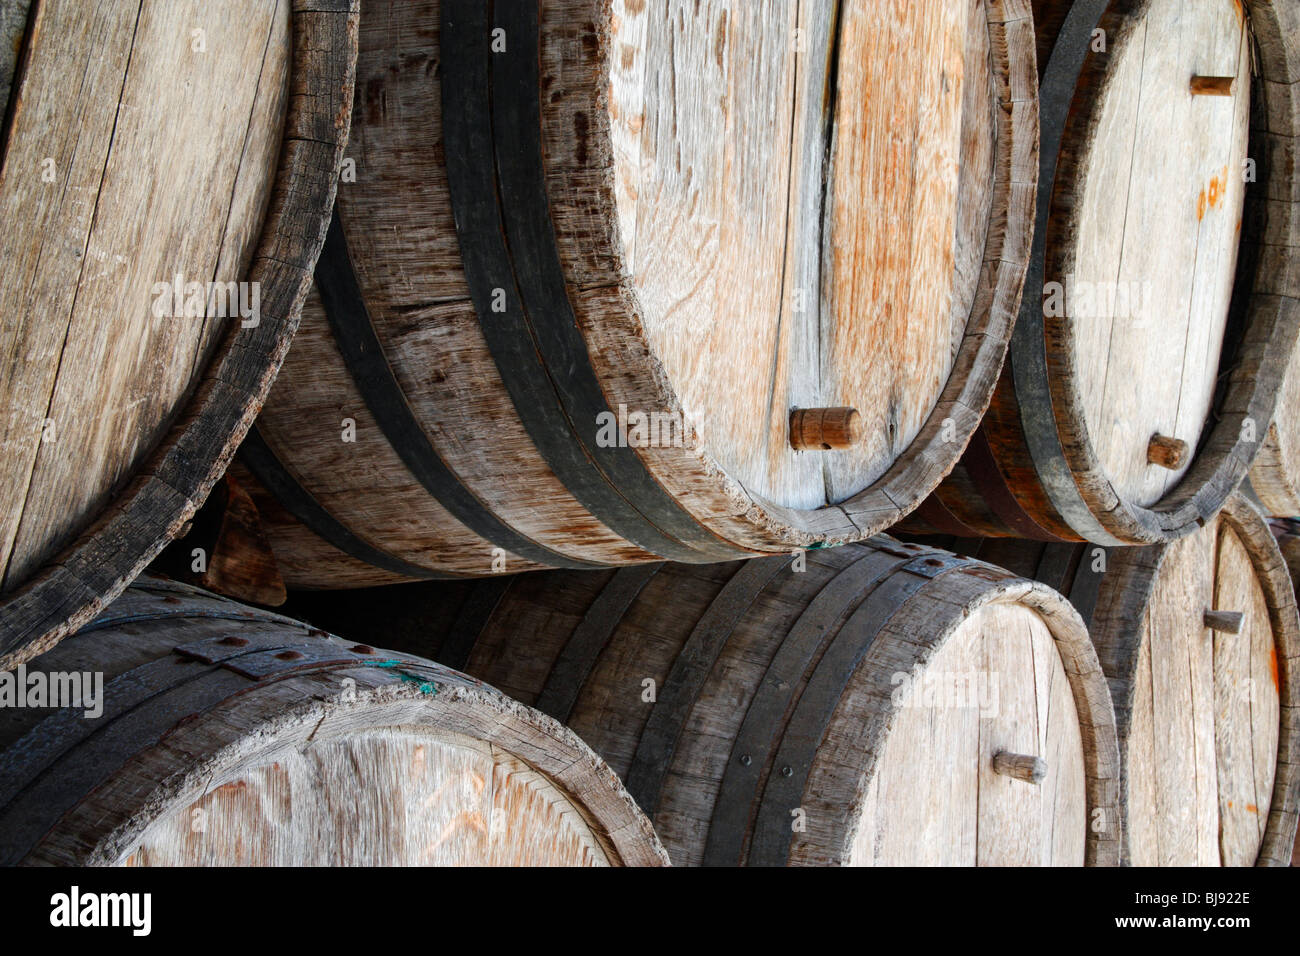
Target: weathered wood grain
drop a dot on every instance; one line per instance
(1063, 452)
(695, 201)
(816, 711)
(1206, 717)
(147, 411)
(267, 742)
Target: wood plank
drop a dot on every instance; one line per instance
(427, 801)
(1247, 715)
(172, 198)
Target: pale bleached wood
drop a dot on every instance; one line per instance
(152, 504)
(937, 800)
(1246, 720)
(344, 764)
(166, 198)
(423, 800)
(1149, 372)
(1275, 475)
(1206, 718)
(1024, 498)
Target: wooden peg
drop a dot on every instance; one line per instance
(1225, 622)
(1213, 85)
(1021, 766)
(823, 429)
(1166, 452)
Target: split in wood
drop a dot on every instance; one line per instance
(1021, 766)
(1213, 85)
(824, 429)
(1226, 622)
(1166, 452)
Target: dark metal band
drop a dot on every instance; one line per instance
(760, 730)
(773, 833)
(690, 670)
(569, 675)
(363, 354)
(491, 108)
(474, 614)
(983, 469)
(258, 457)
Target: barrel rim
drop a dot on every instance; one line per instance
(1117, 632)
(1091, 504)
(572, 768)
(252, 717)
(181, 471)
(1079, 660)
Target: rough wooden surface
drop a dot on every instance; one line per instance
(815, 711)
(332, 754)
(939, 798)
(1207, 719)
(1059, 456)
(146, 412)
(1152, 367)
(672, 138)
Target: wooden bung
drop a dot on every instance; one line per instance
(1166, 452)
(228, 736)
(823, 429)
(1208, 729)
(1213, 85)
(636, 280)
(168, 174)
(1121, 338)
(1020, 766)
(1226, 622)
(823, 709)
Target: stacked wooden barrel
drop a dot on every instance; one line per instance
(620, 282)
(825, 709)
(1162, 302)
(226, 736)
(168, 171)
(1200, 642)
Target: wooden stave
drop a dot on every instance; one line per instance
(180, 472)
(1113, 605)
(1265, 317)
(742, 526)
(108, 786)
(471, 624)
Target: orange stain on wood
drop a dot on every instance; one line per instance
(1200, 206)
(1251, 808)
(1272, 663)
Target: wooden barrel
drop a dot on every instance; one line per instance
(848, 706)
(168, 171)
(226, 736)
(569, 319)
(1162, 303)
(1207, 703)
